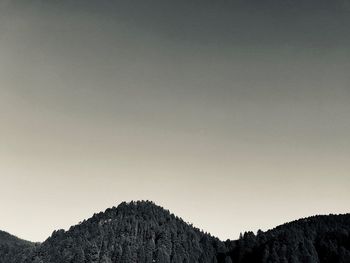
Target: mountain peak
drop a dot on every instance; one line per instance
(130, 231)
(138, 208)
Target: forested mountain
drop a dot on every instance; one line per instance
(310, 240)
(144, 232)
(133, 232)
(13, 249)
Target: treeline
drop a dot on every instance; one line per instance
(134, 232)
(318, 239)
(13, 249)
(143, 232)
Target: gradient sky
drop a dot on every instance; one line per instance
(235, 115)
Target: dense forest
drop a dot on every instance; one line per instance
(144, 232)
(13, 249)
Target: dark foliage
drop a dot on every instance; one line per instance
(144, 232)
(13, 249)
(324, 239)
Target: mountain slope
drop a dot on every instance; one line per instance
(134, 232)
(144, 232)
(324, 239)
(13, 249)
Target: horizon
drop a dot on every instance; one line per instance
(178, 216)
(234, 115)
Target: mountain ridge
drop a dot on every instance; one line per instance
(142, 231)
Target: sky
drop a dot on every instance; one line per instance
(234, 115)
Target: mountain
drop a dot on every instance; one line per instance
(133, 232)
(324, 239)
(144, 232)
(13, 249)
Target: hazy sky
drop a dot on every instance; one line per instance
(235, 115)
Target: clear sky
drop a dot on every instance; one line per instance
(234, 115)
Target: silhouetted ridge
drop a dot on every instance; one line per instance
(144, 232)
(131, 232)
(312, 239)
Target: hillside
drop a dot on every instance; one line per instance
(134, 232)
(13, 249)
(144, 232)
(324, 239)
